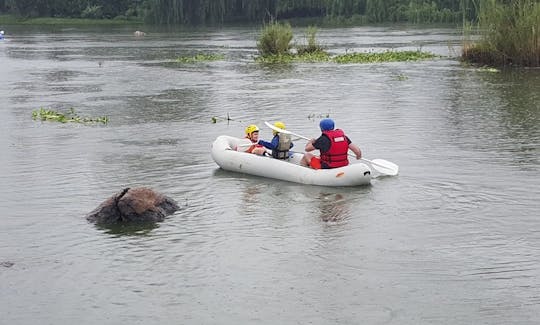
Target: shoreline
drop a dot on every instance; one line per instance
(14, 20)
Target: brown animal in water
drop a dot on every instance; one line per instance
(139, 204)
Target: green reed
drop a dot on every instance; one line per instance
(510, 34)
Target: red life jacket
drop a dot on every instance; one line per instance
(336, 156)
(252, 147)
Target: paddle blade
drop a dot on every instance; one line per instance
(385, 167)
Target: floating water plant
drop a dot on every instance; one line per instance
(289, 58)
(386, 56)
(489, 69)
(43, 114)
(371, 57)
(201, 57)
(401, 77)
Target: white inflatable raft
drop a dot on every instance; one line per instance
(227, 158)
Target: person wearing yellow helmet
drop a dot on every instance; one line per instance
(252, 133)
(280, 144)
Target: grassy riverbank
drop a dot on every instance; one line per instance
(14, 20)
(510, 34)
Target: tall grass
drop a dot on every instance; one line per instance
(275, 39)
(510, 34)
(312, 45)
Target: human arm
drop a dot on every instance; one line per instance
(309, 145)
(322, 144)
(270, 145)
(354, 148)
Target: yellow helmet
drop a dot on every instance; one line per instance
(251, 128)
(280, 125)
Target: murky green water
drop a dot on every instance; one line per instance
(452, 240)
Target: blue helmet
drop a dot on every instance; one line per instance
(327, 124)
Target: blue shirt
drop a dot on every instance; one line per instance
(273, 144)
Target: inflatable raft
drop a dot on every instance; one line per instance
(225, 155)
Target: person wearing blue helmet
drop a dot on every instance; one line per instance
(333, 145)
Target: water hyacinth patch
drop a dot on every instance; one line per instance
(386, 56)
(371, 57)
(290, 58)
(201, 57)
(49, 115)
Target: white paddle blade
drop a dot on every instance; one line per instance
(275, 128)
(385, 167)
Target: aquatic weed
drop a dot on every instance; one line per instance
(49, 115)
(201, 57)
(386, 56)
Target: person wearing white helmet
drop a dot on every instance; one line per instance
(280, 144)
(1, 34)
(333, 145)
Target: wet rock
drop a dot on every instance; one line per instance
(133, 205)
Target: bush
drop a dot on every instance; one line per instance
(312, 45)
(92, 12)
(275, 39)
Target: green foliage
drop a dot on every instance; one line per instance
(386, 56)
(312, 45)
(49, 115)
(290, 58)
(201, 57)
(314, 52)
(193, 12)
(275, 39)
(510, 34)
(429, 12)
(70, 8)
(371, 57)
(92, 12)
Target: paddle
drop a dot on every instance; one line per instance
(381, 165)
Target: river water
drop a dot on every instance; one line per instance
(452, 240)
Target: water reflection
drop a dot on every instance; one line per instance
(132, 229)
(496, 112)
(333, 207)
(519, 93)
